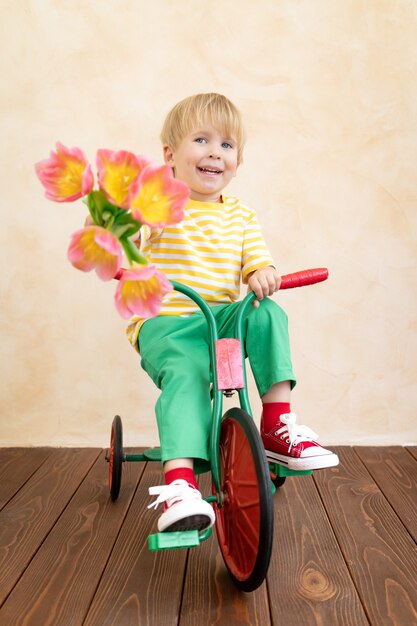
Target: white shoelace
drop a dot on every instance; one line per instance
(177, 490)
(296, 432)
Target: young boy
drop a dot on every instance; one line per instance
(218, 243)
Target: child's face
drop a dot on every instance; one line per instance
(206, 160)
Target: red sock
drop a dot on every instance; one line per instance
(271, 412)
(184, 473)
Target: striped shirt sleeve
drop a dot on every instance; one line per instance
(255, 253)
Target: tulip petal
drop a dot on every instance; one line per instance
(95, 248)
(140, 292)
(87, 181)
(66, 175)
(117, 170)
(157, 198)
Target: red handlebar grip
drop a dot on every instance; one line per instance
(305, 277)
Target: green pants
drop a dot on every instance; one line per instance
(175, 354)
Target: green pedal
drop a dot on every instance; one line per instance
(171, 540)
(281, 471)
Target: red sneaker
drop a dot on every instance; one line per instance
(184, 507)
(295, 447)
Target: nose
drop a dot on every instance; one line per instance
(214, 152)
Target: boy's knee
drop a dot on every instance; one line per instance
(268, 311)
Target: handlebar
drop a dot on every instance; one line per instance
(288, 281)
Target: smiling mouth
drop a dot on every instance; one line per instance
(209, 170)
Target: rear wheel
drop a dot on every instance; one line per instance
(116, 457)
(244, 522)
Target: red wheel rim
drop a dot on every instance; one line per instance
(238, 519)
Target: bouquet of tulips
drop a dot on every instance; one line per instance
(132, 191)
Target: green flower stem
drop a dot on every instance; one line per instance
(126, 229)
(89, 201)
(132, 253)
(110, 222)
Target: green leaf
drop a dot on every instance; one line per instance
(125, 231)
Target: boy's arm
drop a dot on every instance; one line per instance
(258, 269)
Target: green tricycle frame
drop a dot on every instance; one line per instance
(243, 481)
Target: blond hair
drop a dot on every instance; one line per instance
(194, 111)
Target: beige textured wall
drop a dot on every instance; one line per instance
(329, 94)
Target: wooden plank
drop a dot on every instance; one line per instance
(59, 584)
(62, 542)
(412, 450)
(379, 552)
(16, 466)
(30, 515)
(210, 597)
(140, 587)
(395, 473)
(307, 580)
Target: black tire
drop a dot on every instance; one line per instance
(244, 522)
(116, 457)
(277, 480)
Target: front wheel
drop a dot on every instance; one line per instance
(244, 521)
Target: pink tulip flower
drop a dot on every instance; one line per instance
(66, 175)
(157, 198)
(95, 248)
(140, 292)
(117, 170)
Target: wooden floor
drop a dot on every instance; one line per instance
(344, 547)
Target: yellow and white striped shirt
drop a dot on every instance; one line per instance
(211, 250)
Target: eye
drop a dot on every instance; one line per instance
(227, 145)
(201, 140)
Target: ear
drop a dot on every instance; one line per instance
(168, 155)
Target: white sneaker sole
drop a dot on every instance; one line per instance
(192, 515)
(304, 463)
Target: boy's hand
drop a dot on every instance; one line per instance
(264, 282)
